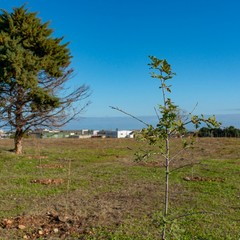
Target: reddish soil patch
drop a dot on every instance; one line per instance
(49, 181)
(46, 226)
(151, 164)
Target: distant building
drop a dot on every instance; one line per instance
(125, 134)
(107, 134)
(116, 133)
(4, 134)
(84, 133)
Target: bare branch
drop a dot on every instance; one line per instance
(130, 115)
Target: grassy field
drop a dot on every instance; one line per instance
(93, 189)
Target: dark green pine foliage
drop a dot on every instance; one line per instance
(34, 67)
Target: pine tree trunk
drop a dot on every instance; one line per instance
(18, 142)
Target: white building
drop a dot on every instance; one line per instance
(116, 134)
(125, 134)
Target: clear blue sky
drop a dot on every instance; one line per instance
(110, 41)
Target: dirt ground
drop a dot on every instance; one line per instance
(56, 218)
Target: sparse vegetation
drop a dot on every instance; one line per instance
(111, 196)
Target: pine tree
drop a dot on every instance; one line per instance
(34, 67)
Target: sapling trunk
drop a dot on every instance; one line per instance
(166, 192)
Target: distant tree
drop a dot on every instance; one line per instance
(231, 132)
(34, 70)
(219, 132)
(204, 132)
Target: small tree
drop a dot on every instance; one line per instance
(170, 124)
(34, 70)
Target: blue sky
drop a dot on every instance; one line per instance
(110, 41)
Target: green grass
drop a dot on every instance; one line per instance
(122, 199)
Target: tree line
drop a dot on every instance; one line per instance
(219, 132)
